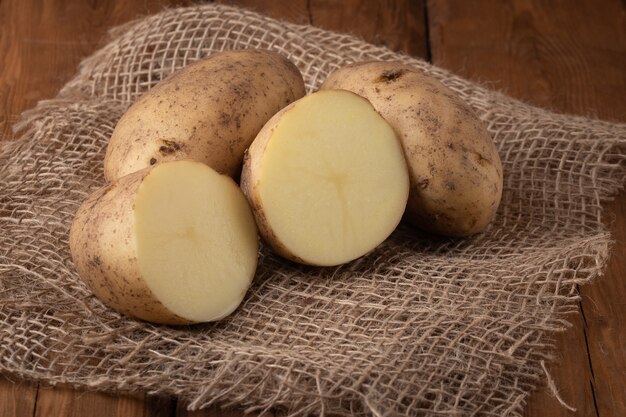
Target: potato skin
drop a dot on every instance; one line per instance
(454, 167)
(209, 111)
(104, 251)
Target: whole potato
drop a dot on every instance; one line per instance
(209, 111)
(454, 167)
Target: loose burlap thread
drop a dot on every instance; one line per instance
(420, 326)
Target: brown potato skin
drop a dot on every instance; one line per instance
(454, 167)
(104, 251)
(209, 111)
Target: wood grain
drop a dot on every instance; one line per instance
(604, 311)
(42, 42)
(295, 11)
(398, 24)
(17, 398)
(559, 54)
(571, 59)
(64, 402)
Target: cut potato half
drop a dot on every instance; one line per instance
(174, 243)
(327, 179)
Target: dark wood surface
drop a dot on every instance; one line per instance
(562, 54)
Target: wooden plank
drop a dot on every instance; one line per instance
(67, 402)
(571, 59)
(42, 42)
(397, 24)
(605, 317)
(547, 52)
(571, 374)
(295, 11)
(17, 398)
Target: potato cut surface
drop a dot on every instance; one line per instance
(196, 240)
(332, 180)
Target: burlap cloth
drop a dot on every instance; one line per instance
(421, 326)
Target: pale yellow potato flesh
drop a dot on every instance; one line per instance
(327, 179)
(175, 243)
(196, 240)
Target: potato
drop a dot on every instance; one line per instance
(455, 170)
(209, 111)
(175, 243)
(326, 179)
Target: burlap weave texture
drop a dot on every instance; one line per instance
(421, 326)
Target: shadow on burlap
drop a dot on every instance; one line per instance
(420, 326)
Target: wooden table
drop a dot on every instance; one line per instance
(567, 55)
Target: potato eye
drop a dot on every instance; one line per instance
(391, 75)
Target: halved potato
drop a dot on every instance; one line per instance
(175, 243)
(326, 178)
